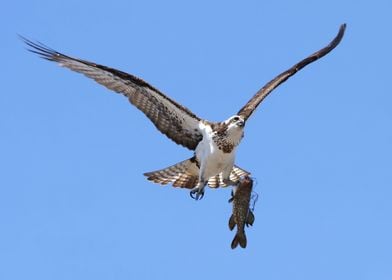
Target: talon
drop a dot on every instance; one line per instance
(197, 193)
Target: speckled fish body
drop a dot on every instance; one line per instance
(242, 215)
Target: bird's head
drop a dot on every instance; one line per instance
(235, 128)
(235, 122)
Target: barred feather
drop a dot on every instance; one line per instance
(185, 174)
(169, 117)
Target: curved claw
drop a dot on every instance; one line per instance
(196, 193)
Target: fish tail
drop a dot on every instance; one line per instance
(239, 238)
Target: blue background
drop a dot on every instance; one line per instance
(74, 203)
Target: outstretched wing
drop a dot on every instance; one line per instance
(252, 104)
(175, 121)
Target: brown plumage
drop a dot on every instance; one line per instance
(172, 119)
(242, 215)
(181, 125)
(169, 117)
(185, 174)
(252, 104)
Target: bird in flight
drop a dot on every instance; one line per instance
(214, 143)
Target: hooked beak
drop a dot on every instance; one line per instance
(241, 123)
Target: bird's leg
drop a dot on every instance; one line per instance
(197, 192)
(226, 176)
(229, 182)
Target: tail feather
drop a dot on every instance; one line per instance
(239, 238)
(185, 174)
(235, 176)
(185, 180)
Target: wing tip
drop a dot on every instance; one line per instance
(340, 35)
(39, 48)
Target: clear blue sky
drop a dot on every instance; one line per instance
(74, 203)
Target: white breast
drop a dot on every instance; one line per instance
(211, 159)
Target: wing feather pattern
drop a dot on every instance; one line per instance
(185, 174)
(172, 119)
(252, 104)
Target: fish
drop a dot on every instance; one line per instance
(242, 215)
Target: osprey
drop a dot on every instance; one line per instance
(214, 143)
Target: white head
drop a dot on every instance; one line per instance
(235, 122)
(235, 128)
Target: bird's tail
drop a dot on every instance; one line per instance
(235, 176)
(185, 174)
(239, 238)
